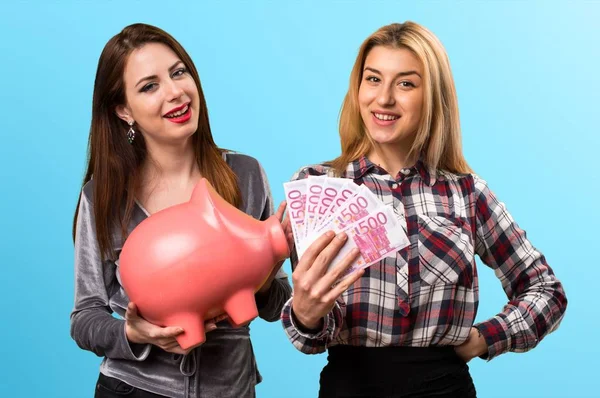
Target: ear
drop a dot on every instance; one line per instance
(123, 113)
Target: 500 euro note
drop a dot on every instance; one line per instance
(376, 236)
(295, 196)
(335, 192)
(350, 210)
(353, 209)
(313, 193)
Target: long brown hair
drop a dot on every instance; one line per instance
(438, 137)
(113, 164)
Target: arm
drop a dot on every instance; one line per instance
(269, 303)
(316, 340)
(311, 339)
(92, 326)
(537, 301)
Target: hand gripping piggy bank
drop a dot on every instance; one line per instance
(196, 260)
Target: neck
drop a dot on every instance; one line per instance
(392, 158)
(173, 163)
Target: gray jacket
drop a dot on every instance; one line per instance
(224, 366)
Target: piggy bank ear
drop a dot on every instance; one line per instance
(204, 196)
(201, 194)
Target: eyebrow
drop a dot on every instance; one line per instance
(407, 73)
(154, 76)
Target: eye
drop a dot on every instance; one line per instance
(406, 84)
(179, 72)
(148, 87)
(372, 79)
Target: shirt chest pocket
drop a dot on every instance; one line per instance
(445, 251)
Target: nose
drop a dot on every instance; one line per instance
(385, 96)
(174, 91)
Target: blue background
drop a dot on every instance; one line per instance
(274, 75)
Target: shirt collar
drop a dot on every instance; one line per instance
(362, 165)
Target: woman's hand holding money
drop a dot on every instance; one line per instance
(315, 288)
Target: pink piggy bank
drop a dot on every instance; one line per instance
(197, 260)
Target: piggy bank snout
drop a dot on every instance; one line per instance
(279, 242)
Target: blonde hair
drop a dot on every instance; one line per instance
(438, 137)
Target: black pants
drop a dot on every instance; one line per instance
(109, 387)
(395, 372)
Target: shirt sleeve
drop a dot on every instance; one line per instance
(537, 301)
(270, 303)
(92, 326)
(311, 343)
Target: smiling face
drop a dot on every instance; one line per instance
(161, 96)
(390, 96)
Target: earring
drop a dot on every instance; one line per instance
(131, 132)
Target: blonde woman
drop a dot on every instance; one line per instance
(405, 327)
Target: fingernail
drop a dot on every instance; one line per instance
(329, 234)
(342, 236)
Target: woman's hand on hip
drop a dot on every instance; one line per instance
(474, 346)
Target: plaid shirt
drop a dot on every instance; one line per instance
(427, 293)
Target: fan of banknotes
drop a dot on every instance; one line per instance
(319, 204)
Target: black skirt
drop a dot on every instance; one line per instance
(394, 372)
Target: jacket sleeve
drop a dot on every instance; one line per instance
(92, 325)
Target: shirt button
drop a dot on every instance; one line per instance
(405, 171)
(394, 186)
(403, 308)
